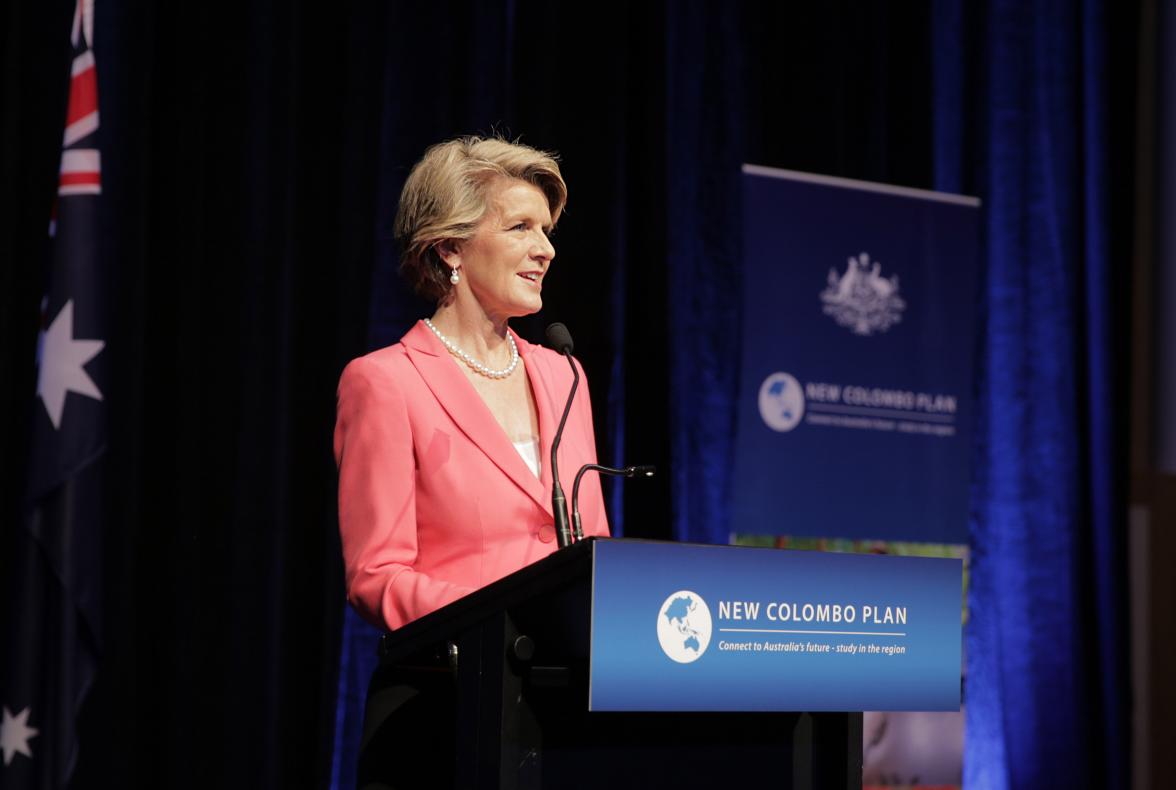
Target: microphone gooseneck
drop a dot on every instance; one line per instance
(560, 339)
(627, 471)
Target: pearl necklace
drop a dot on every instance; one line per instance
(475, 364)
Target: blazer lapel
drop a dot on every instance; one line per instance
(469, 412)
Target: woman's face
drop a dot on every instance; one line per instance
(502, 265)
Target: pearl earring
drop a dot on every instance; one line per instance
(454, 277)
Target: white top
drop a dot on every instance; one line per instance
(529, 450)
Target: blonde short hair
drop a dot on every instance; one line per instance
(444, 198)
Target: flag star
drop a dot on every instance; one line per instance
(62, 358)
(15, 733)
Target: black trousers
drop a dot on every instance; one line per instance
(409, 730)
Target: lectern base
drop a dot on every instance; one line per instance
(525, 728)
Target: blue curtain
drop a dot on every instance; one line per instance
(357, 662)
(1046, 665)
(1020, 117)
(704, 151)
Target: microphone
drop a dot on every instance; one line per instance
(560, 339)
(628, 471)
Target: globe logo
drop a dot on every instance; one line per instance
(684, 626)
(781, 402)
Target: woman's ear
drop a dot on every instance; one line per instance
(449, 251)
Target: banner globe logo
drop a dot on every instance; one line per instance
(781, 402)
(684, 626)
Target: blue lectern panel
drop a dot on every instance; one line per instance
(680, 627)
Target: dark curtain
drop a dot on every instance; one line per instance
(238, 196)
(1048, 107)
(257, 152)
(241, 189)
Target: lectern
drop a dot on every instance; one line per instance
(640, 664)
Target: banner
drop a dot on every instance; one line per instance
(855, 406)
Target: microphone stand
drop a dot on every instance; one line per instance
(559, 505)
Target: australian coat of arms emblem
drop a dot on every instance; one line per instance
(862, 300)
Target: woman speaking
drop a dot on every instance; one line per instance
(442, 439)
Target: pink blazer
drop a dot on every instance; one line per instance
(434, 500)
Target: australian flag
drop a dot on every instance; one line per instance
(49, 612)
